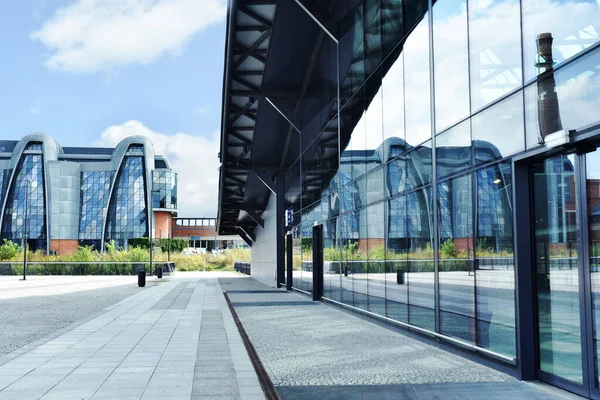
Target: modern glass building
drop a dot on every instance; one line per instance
(58, 198)
(430, 163)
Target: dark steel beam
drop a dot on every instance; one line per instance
(255, 216)
(255, 16)
(266, 179)
(249, 232)
(245, 238)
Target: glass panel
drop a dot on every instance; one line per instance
(95, 190)
(456, 272)
(297, 257)
(593, 209)
(417, 85)
(375, 237)
(307, 252)
(396, 284)
(393, 104)
(451, 63)
(495, 272)
(348, 228)
(568, 27)
(359, 264)
(495, 46)
(556, 268)
(567, 99)
(25, 211)
(332, 268)
(453, 150)
(499, 131)
(420, 276)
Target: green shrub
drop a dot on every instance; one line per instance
(448, 249)
(143, 243)
(9, 250)
(177, 245)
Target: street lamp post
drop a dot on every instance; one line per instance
(25, 227)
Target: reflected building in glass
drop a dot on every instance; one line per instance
(58, 198)
(427, 163)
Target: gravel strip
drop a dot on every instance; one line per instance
(309, 343)
(27, 319)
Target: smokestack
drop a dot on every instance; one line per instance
(548, 109)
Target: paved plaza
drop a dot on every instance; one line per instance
(173, 340)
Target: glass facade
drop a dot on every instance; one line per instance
(128, 209)
(164, 190)
(25, 210)
(95, 190)
(417, 209)
(4, 178)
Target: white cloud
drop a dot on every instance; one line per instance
(194, 158)
(101, 35)
(34, 111)
(200, 110)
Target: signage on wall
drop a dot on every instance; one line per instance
(289, 216)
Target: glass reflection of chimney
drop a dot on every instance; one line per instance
(548, 110)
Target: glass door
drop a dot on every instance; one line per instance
(566, 213)
(557, 270)
(592, 265)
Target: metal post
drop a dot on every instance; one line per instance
(169, 248)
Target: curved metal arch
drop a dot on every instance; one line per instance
(50, 151)
(116, 161)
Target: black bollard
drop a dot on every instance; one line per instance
(400, 276)
(159, 272)
(142, 278)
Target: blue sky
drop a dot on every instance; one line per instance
(90, 72)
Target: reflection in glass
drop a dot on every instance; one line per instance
(577, 87)
(574, 25)
(495, 287)
(451, 62)
(332, 266)
(375, 260)
(498, 132)
(396, 284)
(593, 209)
(420, 275)
(348, 245)
(307, 251)
(417, 85)
(556, 268)
(453, 150)
(495, 49)
(456, 267)
(393, 100)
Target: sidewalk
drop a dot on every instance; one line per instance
(314, 350)
(176, 340)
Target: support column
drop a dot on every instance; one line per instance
(280, 218)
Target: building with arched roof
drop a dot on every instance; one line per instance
(63, 197)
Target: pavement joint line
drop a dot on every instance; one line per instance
(149, 295)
